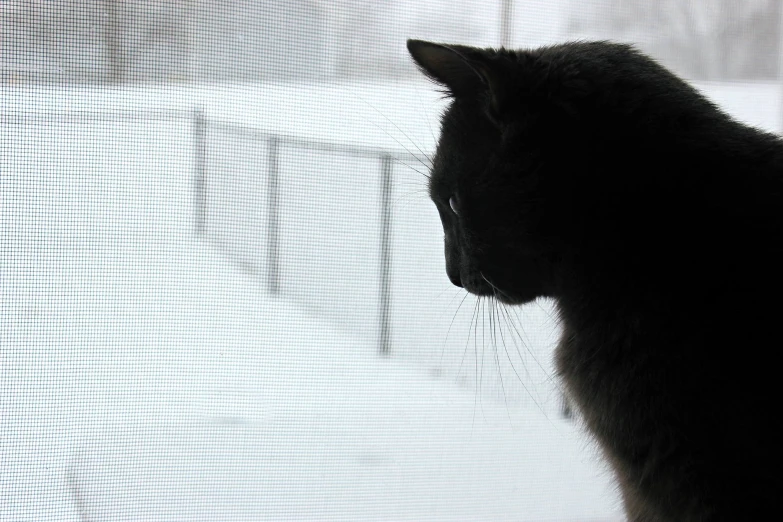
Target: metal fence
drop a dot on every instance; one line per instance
(273, 143)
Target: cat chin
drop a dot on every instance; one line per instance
(513, 300)
(517, 299)
(486, 288)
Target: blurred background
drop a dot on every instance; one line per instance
(222, 286)
(112, 41)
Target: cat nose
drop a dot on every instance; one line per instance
(452, 261)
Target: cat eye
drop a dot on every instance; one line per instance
(453, 205)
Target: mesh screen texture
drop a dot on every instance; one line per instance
(222, 285)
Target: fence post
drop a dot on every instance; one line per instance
(273, 282)
(199, 183)
(384, 305)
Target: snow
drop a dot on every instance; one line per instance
(148, 374)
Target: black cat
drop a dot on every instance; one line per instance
(588, 173)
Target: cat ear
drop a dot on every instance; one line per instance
(463, 71)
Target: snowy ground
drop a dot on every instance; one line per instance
(146, 375)
(206, 400)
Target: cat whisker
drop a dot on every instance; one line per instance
(505, 348)
(475, 360)
(495, 289)
(556, 320)
(527, 373)
(521, 381)
(414, 169)
(470, 328)
(401, 198)
(483, 352)
(426, 156)
(432, 133)
(443, 349)
(417, 183)
(516, 326)
(495, 329)
(513, 328)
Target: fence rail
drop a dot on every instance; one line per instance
(198, 114)
(274, 141)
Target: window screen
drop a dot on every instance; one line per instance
(222, 286)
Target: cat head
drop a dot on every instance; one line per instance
(549, 157)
